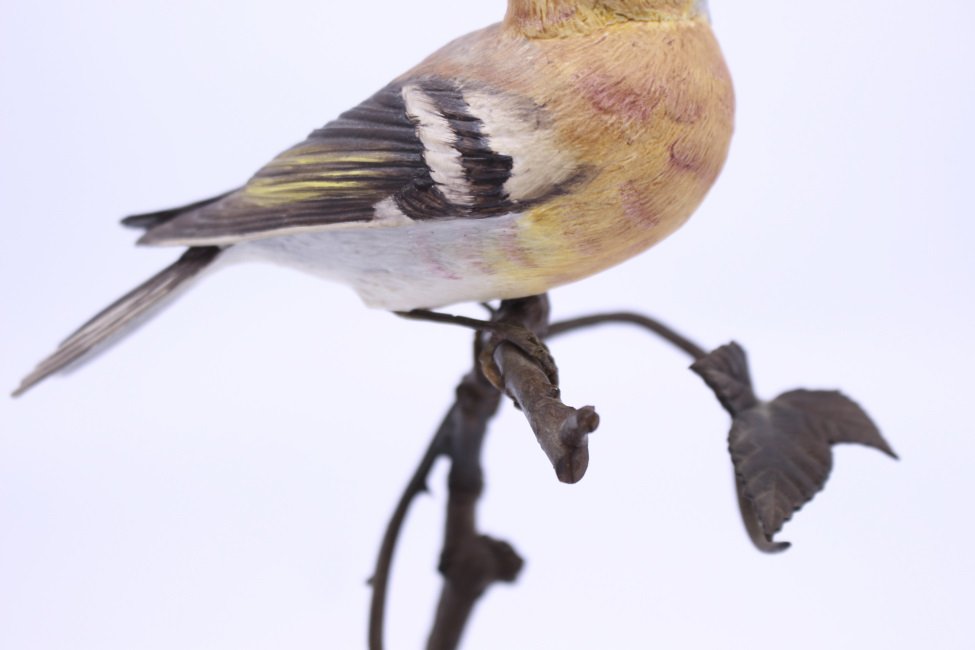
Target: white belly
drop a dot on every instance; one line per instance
(423, 264)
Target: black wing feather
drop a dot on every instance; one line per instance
(370, 153)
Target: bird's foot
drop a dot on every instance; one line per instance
(505, 326)
(523, 339)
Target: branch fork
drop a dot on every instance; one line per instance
(780, 449)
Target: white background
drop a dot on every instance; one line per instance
(222, 479)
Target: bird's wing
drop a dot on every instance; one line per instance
(419, 149)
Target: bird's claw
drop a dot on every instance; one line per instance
(526, 341)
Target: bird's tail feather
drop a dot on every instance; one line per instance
(124, 315)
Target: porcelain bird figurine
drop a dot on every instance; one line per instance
(566, 139)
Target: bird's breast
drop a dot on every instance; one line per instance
(648, 110)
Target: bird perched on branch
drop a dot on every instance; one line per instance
(527, 155)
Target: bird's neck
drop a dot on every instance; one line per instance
(550, 18)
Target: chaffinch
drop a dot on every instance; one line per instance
(530, 154)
